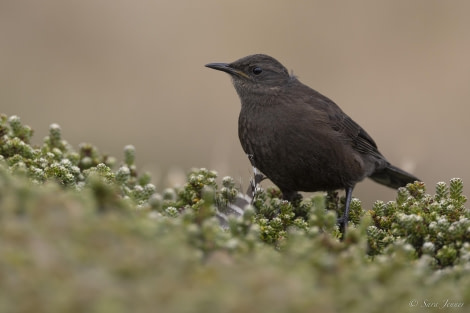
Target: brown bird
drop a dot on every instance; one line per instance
(300, 139)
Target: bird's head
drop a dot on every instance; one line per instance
(255, 74)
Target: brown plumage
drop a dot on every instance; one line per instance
(300, 139)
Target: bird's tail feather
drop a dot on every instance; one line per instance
(393, 177)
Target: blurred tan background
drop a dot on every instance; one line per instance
(114, 73)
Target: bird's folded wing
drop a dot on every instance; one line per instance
(360, 140)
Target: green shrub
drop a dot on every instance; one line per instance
(80, 234)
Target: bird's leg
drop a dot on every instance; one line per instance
(343, 221)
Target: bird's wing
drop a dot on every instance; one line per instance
(361, 140)
(349, 129)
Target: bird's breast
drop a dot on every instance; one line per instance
(268, 133)
(295, 149)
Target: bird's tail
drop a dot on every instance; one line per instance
(393, 177)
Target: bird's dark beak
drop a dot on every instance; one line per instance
(224, 67)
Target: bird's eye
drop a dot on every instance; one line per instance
(257, 70)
